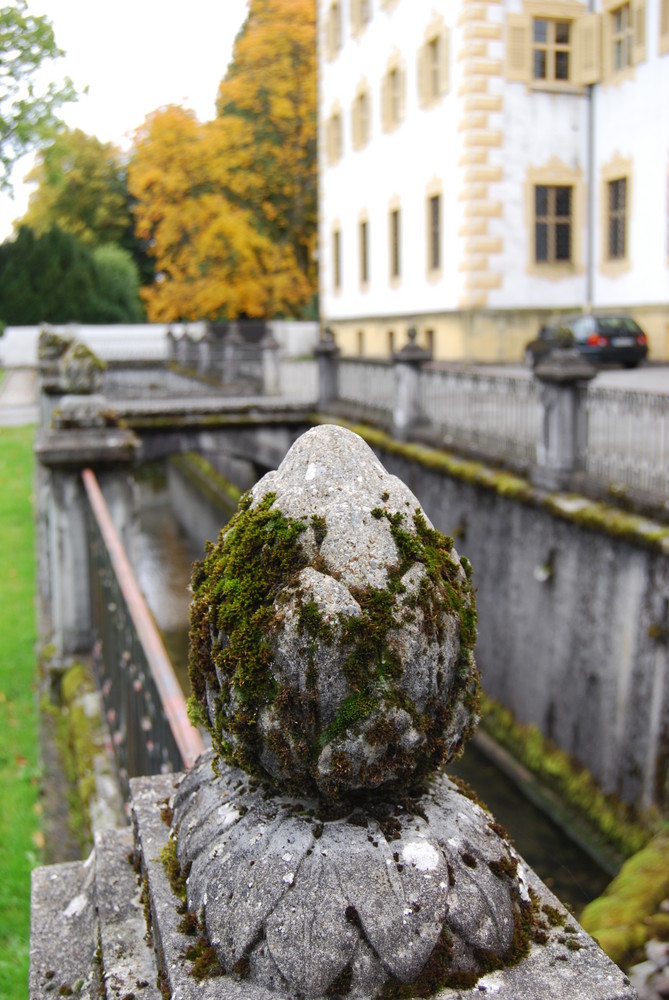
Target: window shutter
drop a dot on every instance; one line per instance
(664, 26)
(403, 91)
(329, 35)
(518, 50)
(639, 15)
(445, 61)
(588, 34)
(385, 103)
(421, 76)
(607, 42)
(355, 17)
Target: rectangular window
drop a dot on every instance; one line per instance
(552, 50)
(364, 253)
(434, 234)
(395, 243)
(336, 259)
(553, 223)
(391, 342)
(617, 219)
(622, 38)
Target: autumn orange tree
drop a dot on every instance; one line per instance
(229, 206)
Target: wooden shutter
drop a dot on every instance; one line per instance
(518, 48)
(385, 103)
(402, 81)
(606, 62)
(587, 53)
(664, 26)
(639, 24)
(355, 17)
(421, 76)
(445, 61)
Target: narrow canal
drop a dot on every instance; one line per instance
(163, 560)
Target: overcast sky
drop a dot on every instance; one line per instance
(134, 56)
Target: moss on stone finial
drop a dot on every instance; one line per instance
(332, 628)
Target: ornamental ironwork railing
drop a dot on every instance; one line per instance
(144, 705)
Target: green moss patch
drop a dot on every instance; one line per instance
(627, 915)
(233, 591)
(614, 820)
(219, 490)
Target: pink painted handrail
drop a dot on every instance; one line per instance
(187, 738)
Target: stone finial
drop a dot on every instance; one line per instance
(80, 369)
(51, 345)
(332, 628)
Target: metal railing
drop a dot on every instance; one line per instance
(144, 705)
(495, 414)
(627, 439)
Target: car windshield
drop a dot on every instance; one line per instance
(617, 324)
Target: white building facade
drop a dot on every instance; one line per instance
(488, 164)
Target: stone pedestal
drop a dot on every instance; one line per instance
(562, 429)
(269, 351)
(407, 362)
(319, 849)
(84, 433)
(327, 354)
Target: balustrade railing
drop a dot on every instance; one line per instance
(369, 385)
(627, 439)
(143, 702)
(298, 380)
(495, 414)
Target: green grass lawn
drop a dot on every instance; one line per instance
(20, 835)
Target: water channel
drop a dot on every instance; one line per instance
(163, 561)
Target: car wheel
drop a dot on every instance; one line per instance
(631, 364)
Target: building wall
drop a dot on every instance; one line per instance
(491, 135)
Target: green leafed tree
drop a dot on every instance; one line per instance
(54, 278)
(119, 281)
(81, 189)
(27, 105)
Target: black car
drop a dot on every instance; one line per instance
(601, 338)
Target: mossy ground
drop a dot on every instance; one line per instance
(80, 739)
(614, 820)
(21, 838)
(628, 914)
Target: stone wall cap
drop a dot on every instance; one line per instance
(564, 366)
